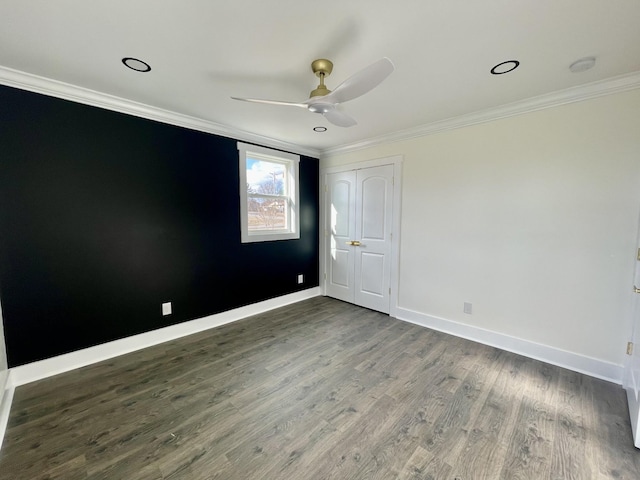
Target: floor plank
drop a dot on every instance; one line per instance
(319, 390)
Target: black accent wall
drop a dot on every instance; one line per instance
(105, 216)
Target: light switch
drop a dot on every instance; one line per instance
(166, 308)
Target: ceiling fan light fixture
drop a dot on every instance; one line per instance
(321, 107)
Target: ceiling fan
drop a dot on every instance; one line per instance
(324, 101)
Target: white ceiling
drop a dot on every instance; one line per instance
(204, 51)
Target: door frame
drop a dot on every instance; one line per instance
(631, 380)
(396, 162)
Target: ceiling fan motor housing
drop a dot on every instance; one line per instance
(322, 66)
(321, 91)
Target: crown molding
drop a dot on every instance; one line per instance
(66, 91)
(588, 91)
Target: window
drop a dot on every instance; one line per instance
(269, 207)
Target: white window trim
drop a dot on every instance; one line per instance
(293, 188)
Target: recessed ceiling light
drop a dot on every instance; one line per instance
(505, 67)
(135, 64)
(583, 64)
(319, 129)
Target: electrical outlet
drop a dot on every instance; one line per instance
(166, 308)
(468, 308)
(301, 278)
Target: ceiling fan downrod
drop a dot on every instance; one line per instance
(321, 67)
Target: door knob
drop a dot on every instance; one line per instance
(353, 243)
(636, 289)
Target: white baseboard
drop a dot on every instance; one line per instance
(81, 358)
(572, 361)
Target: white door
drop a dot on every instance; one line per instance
(359, 213)
(632, 366)
(340, 211)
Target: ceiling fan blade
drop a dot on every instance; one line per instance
(339, 118)
(362, 82)
(271, 102)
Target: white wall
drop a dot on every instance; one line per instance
(532, 219)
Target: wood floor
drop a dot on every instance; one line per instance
(319, 390)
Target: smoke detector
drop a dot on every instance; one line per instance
(583, 64)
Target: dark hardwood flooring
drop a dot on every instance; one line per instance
(319, 390)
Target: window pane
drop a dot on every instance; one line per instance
(269, 194)
(266, 214)
(267, 178)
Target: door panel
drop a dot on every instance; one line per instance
(359, 215)
(340, 269)
(343, 190)
(372, 274)
(374, 221)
